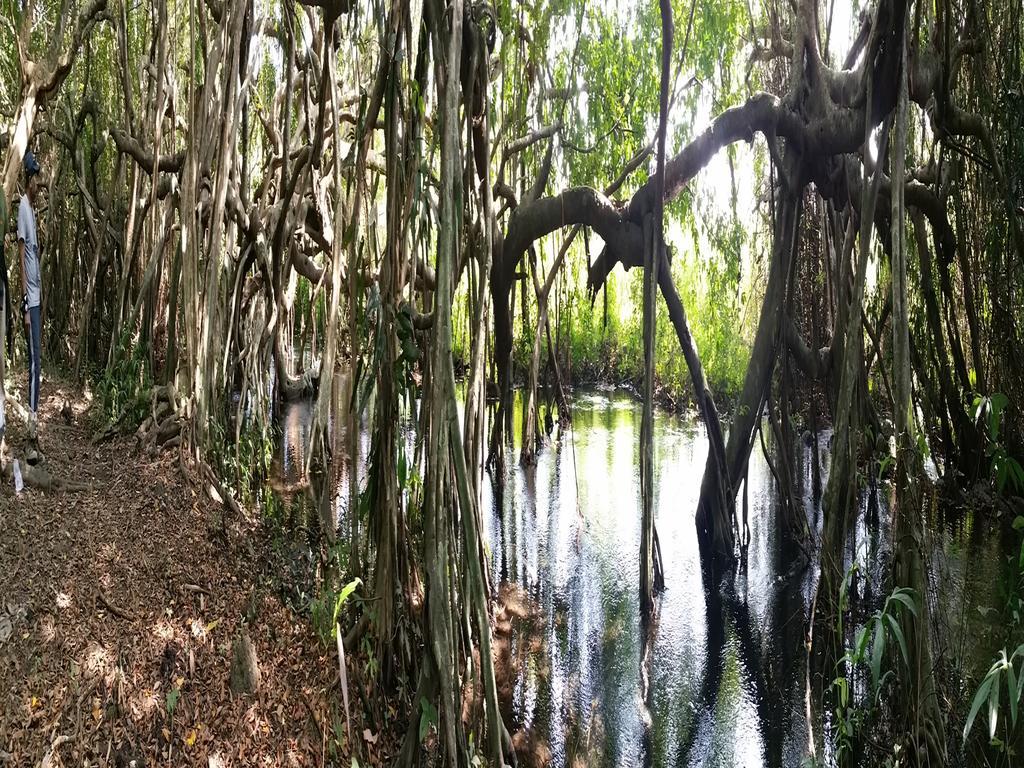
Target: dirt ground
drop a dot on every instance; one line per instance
(119, 606)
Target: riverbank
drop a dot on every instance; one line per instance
(120, 605)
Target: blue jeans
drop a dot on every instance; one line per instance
(34, 333)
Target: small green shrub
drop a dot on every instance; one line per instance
(124, 386)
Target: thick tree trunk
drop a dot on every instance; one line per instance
(171, 354)
(501, 306)
(713, 522)
(99, 243)
(475, 389)
(924, 717)
(650, 575)
(24, 120)
(841, 489)
(439, 559)
(208, 392)
(388, 520)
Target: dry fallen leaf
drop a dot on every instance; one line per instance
(60, 556)
(369, 736)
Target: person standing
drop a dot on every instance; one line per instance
(31, 282)
(5, 309)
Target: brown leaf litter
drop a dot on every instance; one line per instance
(119, 605)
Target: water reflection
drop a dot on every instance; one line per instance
(291, 458)
(727, 662)
(567, 532)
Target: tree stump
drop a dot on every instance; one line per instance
(245, 668)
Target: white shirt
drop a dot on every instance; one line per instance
(27, 234)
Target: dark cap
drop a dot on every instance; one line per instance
(31, 165)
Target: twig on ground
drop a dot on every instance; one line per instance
(109, 605)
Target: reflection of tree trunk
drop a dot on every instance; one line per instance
(731, 613)
(784, 658)
(768, 685)
(707, 698)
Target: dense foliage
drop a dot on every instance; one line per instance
(349, 202)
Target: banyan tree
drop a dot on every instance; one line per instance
(267, 202)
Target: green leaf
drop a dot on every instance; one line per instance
(844, 689)
(877, 651)
(999, 402)
(172, 700)
(922, 445)
(1016, 473)
(428, 716)
(1012, 691)
(344, 595)
(993, 708)
(884, 465)
(894, 628)
(1020, 685)
(906, 597)
(979, 699)
(1018, 522)
(861, 643)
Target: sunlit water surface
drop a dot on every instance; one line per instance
(727, 664)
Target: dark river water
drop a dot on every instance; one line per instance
(726, 668)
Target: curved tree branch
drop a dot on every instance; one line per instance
(129, 145)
